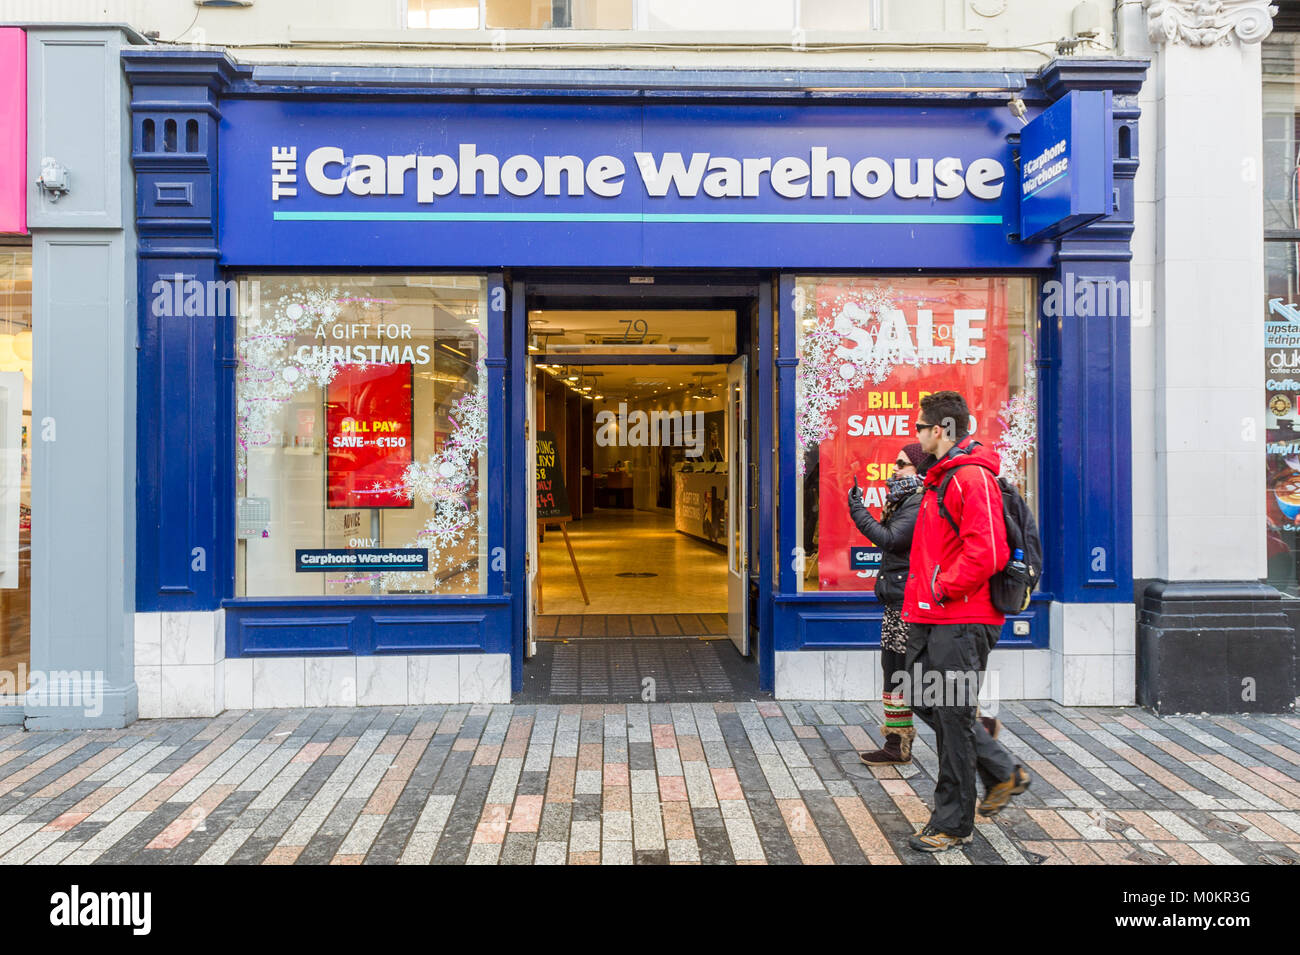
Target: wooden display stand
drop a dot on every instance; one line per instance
(541, 532)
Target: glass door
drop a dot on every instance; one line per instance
(737, 504)
(530, 458)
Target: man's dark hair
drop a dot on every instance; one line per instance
(949, 409)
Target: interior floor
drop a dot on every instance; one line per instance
(635, 625)
(689, 576)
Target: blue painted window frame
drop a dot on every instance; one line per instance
(849, 620)
(362, 618)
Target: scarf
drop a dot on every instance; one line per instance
(900, 486)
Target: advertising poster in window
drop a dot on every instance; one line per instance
(368, 415)
(879, 349)
(1282, 463)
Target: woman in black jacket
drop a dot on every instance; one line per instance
(893, 535)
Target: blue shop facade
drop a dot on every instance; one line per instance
(343, 283)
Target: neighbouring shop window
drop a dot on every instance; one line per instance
(869, 349)
(670, 15)
(361, 435)
(1281, 371)
(520, 14)
(15, 467)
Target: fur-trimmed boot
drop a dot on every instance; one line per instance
(897, 749)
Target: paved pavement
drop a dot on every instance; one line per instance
(646, 783)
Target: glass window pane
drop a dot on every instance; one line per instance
(1281, 110)
(560, 14)
(15, 466)
(361, 427)
(1282, 384)
(442, 14)
(869, 350)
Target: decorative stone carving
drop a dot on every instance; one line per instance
(989, 8)
(1208, 22)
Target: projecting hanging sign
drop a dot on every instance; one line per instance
(444, 184)
(1066, 173)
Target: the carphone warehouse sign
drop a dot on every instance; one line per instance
(494, 183)
(1066, 176)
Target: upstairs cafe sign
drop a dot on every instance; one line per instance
(447, 184)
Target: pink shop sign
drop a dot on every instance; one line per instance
(13, 130)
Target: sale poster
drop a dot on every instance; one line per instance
(368, 415)
(873, 351)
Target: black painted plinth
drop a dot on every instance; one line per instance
(1210, 646)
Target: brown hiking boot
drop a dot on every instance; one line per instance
(997, 798)
(931, 839)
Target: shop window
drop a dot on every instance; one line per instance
(869, 349)
(15, 466)
(1281, 304)
(361, 435)
(520, 14)
(668, 15)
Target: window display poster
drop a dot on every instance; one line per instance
(368, 416)
(1282, 462)
(889, 345)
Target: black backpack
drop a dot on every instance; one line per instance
(1010, 587)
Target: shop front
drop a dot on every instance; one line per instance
(345, 285)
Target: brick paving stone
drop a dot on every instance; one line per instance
(648, 784)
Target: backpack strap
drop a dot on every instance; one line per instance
(943, 489)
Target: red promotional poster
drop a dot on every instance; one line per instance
(875, 350)
(368, 429)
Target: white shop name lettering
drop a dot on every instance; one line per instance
(1037, 171)
(329, 171)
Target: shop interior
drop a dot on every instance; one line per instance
(15, 467)
(642, 452)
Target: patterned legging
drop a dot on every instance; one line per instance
(893, 653)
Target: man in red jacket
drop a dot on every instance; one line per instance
(952, 623)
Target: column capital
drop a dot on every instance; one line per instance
(1204, 23)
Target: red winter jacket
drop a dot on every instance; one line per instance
(948, 578)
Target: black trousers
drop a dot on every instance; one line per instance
(945, 665)
(893, 664)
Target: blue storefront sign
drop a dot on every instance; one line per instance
(1066, 165)
(487, 184)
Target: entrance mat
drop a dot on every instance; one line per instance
(641, 625)
(639, 671)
